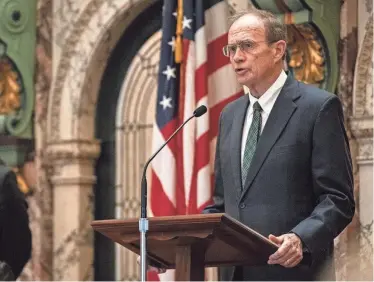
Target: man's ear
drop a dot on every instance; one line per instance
(279, 50)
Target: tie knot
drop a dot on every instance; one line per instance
(257, 107)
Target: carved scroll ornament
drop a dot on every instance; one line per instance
(10, 100)
(306, 54)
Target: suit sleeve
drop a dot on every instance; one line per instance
(332, 180)
(218, 205)
(15, 234)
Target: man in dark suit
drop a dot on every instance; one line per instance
(283, 163)
(15, 234)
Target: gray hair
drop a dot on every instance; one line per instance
(275, 30)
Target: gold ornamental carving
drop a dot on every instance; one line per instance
(306, 54)
(21, 181)
(10, 99)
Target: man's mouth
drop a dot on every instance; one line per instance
(240, 71)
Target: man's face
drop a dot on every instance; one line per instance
(254, 59)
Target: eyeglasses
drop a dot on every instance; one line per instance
(245, 46)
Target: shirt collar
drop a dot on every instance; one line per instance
(267, 100)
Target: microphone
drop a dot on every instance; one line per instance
(143, 222)
(200, 111)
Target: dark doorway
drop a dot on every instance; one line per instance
(143, 27)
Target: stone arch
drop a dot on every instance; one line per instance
(83, 59)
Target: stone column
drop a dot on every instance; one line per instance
(363, 132)
(346, 248)
(73, 178)
(362, 129)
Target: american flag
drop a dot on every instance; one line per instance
(182, 173)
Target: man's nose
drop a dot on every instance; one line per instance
(238, 56)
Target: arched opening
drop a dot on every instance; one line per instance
(107, 126)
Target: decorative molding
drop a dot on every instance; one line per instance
(369, 5)
(312, 38)
(21, 181)
(72, 150)
(64, 65)
(37, 171)
(15, 16)
(362, 130)
(10, 87)
(306, 54)
(66, 155)
(365, 151)
(362, 127)
(83, 181)
(364, 65)
(238, 5)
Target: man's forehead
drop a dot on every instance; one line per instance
(247, 25)
(248, 21)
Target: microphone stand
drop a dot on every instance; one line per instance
(143, 221)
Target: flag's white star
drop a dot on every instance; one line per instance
(186, 22)
(172, 43)
(169, 72)
(166, 103)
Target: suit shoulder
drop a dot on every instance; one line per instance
(313, 95)
(313, 98)
(231, 107)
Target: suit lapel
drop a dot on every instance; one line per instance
(278, 118)
(236, 141)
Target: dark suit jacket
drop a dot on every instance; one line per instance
(300, 179)
(15, 234)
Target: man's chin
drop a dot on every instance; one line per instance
(244, 80)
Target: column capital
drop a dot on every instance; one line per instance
(362, 126)
(72, 162)
(362, 130)
(73, 150)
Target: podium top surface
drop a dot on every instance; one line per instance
(225, 240)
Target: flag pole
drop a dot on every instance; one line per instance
(179, 33)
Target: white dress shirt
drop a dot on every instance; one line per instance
(266, 102)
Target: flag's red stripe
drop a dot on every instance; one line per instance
(202, 157)
(160, 202)
(152, 276)
(166, 132)
(215, 112)
(201, 82)
(192, 201)
(216, 60)
(202, 151)
(201, 160)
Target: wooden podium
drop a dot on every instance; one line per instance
(191, 243)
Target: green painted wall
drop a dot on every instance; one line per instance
(18, 36)
(324, 16)
(17, 46)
